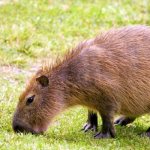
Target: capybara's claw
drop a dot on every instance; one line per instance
(123, 121)
(89, 126)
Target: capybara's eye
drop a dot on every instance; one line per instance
(30, 100)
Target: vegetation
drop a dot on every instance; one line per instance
(33, 30)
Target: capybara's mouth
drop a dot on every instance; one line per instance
(19, 126)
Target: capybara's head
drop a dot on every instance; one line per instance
(36, 107)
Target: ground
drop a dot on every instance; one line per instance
(34, 31)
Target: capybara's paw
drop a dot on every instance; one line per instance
(123, 121)
(147, 133)
(89, 126)
(101, 135)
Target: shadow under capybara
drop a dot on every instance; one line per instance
(109, 74)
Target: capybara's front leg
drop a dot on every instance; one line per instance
(107, 130)
(92, 122)
(123, 121)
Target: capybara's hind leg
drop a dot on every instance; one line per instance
(123, 121)
(91, 123)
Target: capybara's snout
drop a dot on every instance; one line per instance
(18, 126)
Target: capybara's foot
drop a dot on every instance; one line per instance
(91, 122)
(107, 130)
(147, 133)
(101, 135)
(123, 121)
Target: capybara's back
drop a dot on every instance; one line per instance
(109, 74)
(118, 63)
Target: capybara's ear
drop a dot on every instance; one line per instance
(43, 80)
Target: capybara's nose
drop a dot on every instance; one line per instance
(17, 127)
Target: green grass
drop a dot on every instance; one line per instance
(32, 30)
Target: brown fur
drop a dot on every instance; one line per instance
(109, 74)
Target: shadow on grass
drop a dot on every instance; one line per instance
(122, 133)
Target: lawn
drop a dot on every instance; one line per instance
(32, 31)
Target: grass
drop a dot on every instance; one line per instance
(32, 30)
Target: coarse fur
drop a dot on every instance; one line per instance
(109, 74)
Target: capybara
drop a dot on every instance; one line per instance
(109, 74)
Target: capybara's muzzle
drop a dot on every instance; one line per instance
(19, 126)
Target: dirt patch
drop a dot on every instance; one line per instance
(14, 74)
(11, 70)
